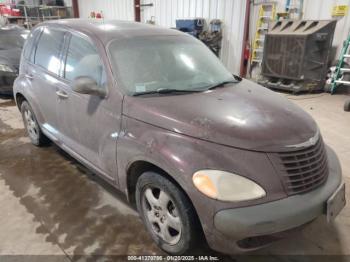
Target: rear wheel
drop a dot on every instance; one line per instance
(31, 125)
(167, 213)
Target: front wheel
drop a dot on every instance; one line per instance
(167, 213)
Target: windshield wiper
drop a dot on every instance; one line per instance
(165, 91)
(222, 84)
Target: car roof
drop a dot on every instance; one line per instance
(107, 30)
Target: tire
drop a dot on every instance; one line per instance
(167, 214)
(347, 106)
(31, 125)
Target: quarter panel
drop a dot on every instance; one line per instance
(23, 86)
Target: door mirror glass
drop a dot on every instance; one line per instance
(89, 86)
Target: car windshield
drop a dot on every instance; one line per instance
(148, 64)
(12, 39)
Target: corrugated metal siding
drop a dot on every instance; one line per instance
(112, 9)
(230, 12)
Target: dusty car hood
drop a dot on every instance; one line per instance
(243, 115)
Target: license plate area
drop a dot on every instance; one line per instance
(336, 203)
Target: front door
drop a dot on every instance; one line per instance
(90, 124)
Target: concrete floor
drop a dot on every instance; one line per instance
(50, 205)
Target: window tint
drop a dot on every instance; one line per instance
(48, 50)
(83, 60)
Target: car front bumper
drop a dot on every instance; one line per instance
(232, 226)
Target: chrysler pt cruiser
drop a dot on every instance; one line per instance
(204, 155)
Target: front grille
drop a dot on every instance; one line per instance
(303, 170)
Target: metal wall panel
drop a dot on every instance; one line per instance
(231, 12)
(112, 9)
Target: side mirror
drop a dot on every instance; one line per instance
(87, 85)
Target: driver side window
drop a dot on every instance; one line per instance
(83, 60)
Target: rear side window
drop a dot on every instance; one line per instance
(28, 53)
(48, 50)
(83, 60)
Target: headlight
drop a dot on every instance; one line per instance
(6, 68)
(226, 186)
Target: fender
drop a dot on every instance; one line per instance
(23, 86)
(181, 156)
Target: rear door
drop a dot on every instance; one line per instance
(44, 74)
(90, 124)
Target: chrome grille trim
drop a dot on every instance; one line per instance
(302, 170)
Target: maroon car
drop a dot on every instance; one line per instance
(204, 155)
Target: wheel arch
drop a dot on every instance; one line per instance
(20, 98)
(21, 95)
(137, 168)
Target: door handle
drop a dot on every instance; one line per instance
(61, 94)
(29, 76)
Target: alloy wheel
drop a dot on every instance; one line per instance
(31, 125)
(162, 215)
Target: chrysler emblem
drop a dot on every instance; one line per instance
(311, 142)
